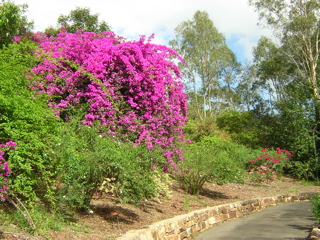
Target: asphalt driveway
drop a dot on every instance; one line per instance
(283, 221)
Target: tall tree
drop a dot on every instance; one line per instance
(248, 93)
(13, 21)
(274, 70)
(296, 25)
(291, 61)
(82, 19)
(210, 65)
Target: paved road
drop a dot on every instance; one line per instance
(284, 221)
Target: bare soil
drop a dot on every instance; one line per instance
(109, 220)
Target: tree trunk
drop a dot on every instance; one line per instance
(317, 135)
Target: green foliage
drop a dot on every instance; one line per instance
(89, 159)
(315, 199)
(288, 69)
(162, 184)
(25, 120)
(212, 160)
(132, 169)
(306, 170)
(196, 129)
(291, 129)
(42, 218)
(186, 202)
(242, 125)
(82, 19)
(13, 22)
(83, 158)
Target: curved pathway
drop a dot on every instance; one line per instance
(284, 221)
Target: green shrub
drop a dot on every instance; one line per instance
(212, 160)
(25, 119)
(306, 170)
(90, 161)
(42, 219)
(315, 199)
(135, 175)
(242, 125)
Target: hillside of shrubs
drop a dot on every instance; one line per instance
(83, 113)
(74, 122)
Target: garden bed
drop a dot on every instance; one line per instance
(109, 220)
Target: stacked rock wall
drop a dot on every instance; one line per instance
(187, 225)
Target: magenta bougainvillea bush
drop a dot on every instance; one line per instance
(133, 88)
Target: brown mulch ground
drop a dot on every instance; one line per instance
(110, 220)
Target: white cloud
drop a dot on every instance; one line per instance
(131, 18)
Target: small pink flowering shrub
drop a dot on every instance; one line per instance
(5, 171)
(132, 88)
(267, 166)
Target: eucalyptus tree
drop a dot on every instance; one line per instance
(273, 70)
(82, 19)
(248, 93)
(291, 60)
(210, 66)
(296, 26)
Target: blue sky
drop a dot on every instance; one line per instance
(132, 18)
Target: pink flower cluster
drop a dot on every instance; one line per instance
(5, 171)
(16, 39)
(132, 87)
(267, 166)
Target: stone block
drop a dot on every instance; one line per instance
(205, 216)
(225, 217)
(172, 237)
(203, 225)
(170, 227)
(232, 215)
(212, 220)
(224, 210)
(294, 198)
(154, 235)
(186, 234)
(161, 231)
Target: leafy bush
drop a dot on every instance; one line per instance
(306, 170)
(212, 160)
(25, 119)
(88, 158)
(242, 126)
(137, 180)
(271, 164)
(13, 22)
(195, 130)
(315, 199)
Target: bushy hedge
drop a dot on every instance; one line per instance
(213, 160)
(26, 120)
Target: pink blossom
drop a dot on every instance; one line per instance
(16, 39)
(5, 171)
(263, 167)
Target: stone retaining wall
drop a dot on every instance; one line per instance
(184, 226)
